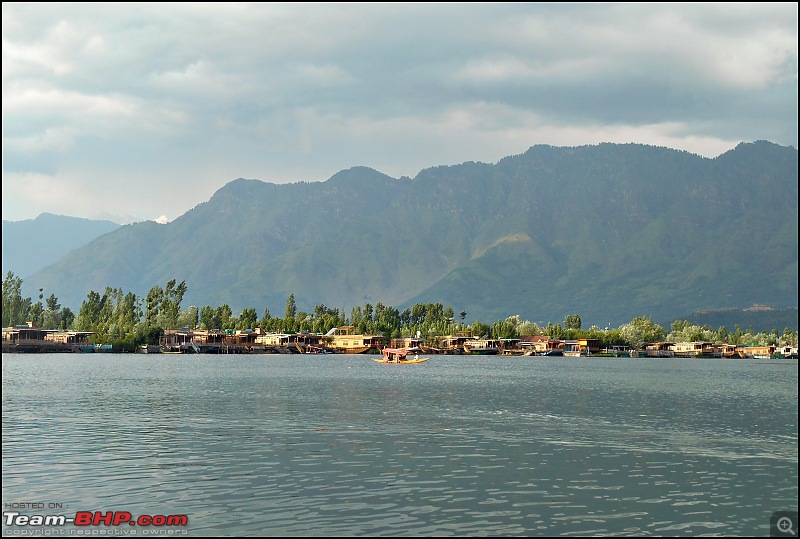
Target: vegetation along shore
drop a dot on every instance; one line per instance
(121, 321)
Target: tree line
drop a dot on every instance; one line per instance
(126, 321)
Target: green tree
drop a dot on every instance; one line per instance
(505, 329)
(289, 314)
(15, 308)
(527, 329)
(325, 318)
(97, 314)
(678, 326)
(387, 320)
(171, 303)
(52, 303)
(190, 318)
(721, 335)
(642, 330)
(367, 324)
(207, 318)
(434, 315)
(267, 322)
(88, 314)
(127, 314)
(67, 318)
(105, 328)
(224, 315)
(356, 316)
(572, 321)
(52, 314)
(248, 319)
(554, 331)
(479, 329)
(36, 314)
(154, 302)
(418, 311)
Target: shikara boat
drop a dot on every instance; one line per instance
(400, 355)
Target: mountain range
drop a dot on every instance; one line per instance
(609, 231)
(33, 244)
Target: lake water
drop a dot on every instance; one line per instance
(460, 445)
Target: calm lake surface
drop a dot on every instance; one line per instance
(460, 445)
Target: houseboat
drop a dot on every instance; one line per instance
(452, 344)
(482, 346)
(539, 345)
(28, 338)
(346, 340)
(695, 349)
(573, 348)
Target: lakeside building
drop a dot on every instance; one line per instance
(482, 346)
(208, 341)
(581, 347)
(694, 349)
(28, 338)
(343, 340)
(660, 349)
(291, 343)
(453, 344)
(540, 344)
(346, 339)
(407, 342)
(758, 352)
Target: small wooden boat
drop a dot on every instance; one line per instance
(400, 355)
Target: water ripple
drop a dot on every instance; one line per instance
(304, 447)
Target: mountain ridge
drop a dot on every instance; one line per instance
(615, 231)
(72, 232)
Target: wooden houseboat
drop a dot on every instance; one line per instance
(453, 344)
(695, 349)
(28, 338)
(539, 345)
(482, 346)
(346, 340)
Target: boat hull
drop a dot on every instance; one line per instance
(480, 351)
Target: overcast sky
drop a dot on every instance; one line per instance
(137, 111)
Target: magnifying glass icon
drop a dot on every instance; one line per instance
(785, 525)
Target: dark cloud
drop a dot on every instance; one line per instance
(184, 98)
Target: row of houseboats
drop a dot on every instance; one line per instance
(347, 340)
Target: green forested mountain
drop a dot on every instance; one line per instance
(757, 319)
(609, 231)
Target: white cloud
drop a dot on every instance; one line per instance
(109, 102)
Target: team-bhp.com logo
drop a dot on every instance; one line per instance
(96, 518)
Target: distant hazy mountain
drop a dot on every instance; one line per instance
(609, 232)
(33, 244)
